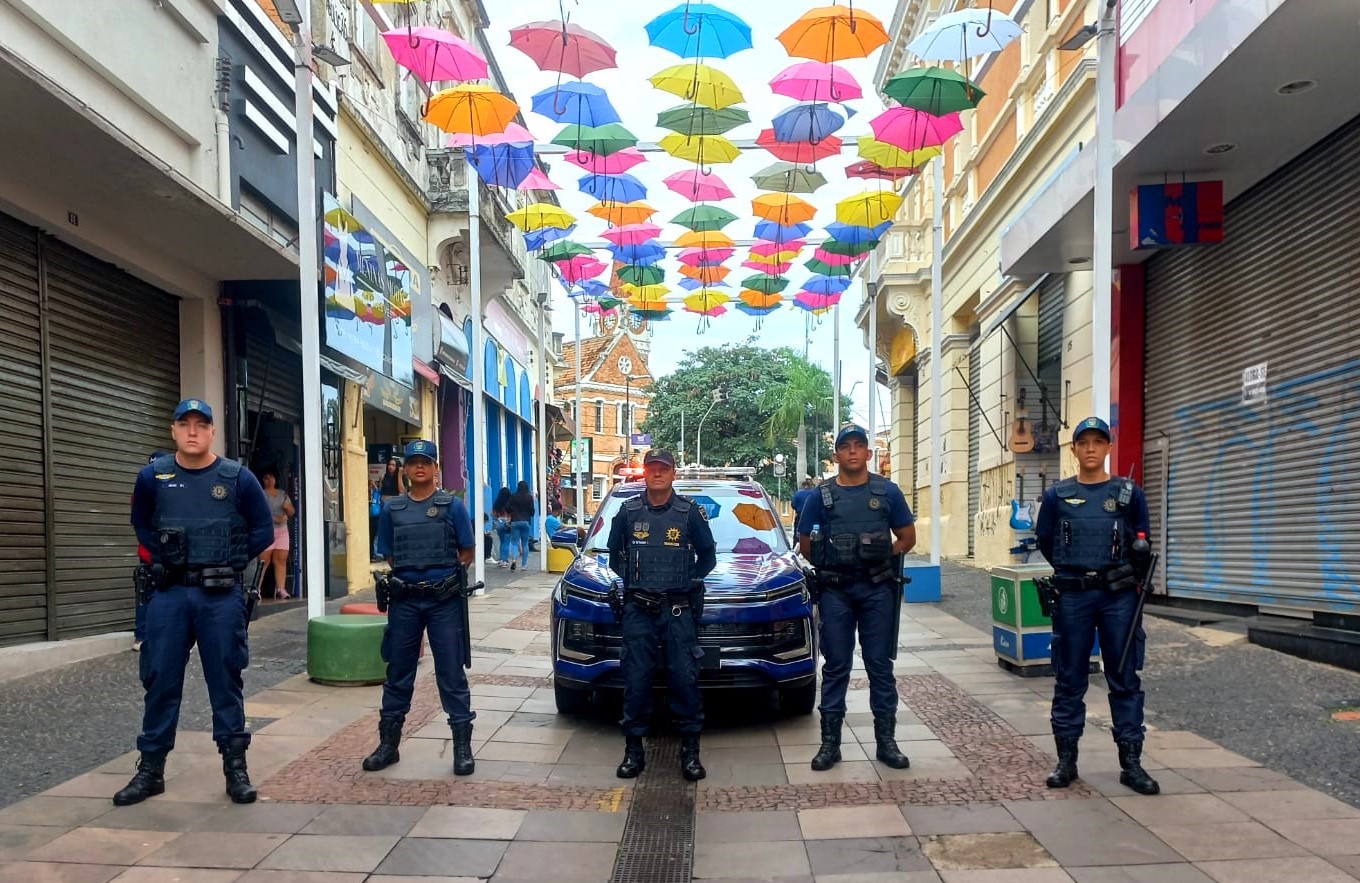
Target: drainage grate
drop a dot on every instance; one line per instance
(658, 839)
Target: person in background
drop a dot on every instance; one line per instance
(500, 514)
(281, 509)
(488, 539)
(800, 497)
(521, 508)
(554, 522)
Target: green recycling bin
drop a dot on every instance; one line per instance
(346, 650)
(1021, 635)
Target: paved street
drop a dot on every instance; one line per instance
(544, 803)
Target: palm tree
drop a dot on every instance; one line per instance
(805, 392)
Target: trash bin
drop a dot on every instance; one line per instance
(1021, 635)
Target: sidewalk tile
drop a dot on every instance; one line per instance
(887, 877)
(726, 861)
(344, 821)
(1169, 739)
(103, 785)
(102, 846)
(559, 862)
(1220, 779)
(385, 878)
(178, 875)
(1228, 840)
(215, 850)
(597, 774)
(1178, 873)
(1017, 875)
(591, 749)
(426, 857)
(57, 872)
(976, 818)
(870, 855)
(1284, 805)
(259, 818)
(534, 735)
(1179, 809)
(517, 751)
(57, 811)
(925, 768)
(759, 737)
(570, 826)
(1090, 832)
(962, 852)
(469, 823)
(848, 822)
(850, 751)
(848, 771)
(267, 876)
(864, 734)
(351, 852)
(1348, 863)
(1107, 783)
(1275, 870)
(1323, 836)
(746, 827)
(157, 815)
(16, 841)
(1197, 758)
(754, 774)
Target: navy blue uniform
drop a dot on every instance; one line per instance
(659, 550)
(422, 539)
(1084, 530)
(225, 517)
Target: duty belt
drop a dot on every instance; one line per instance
(678, 602)
(437, 589)
(213, 577)
(1084, 583)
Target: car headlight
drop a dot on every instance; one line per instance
(576, 640)
(794, 635)
(559, 593)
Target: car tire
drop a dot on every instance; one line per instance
(798, 700)
(569, 701)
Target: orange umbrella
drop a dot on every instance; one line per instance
(760, 300)
(706, 275)
(834, 33)
(704, 239)
(784, 209)
(754, 516)
(620, 214)
(471, 109)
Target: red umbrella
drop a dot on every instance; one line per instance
(567, 48)
(871, 170)
(614, 164)
(698, 257)
(695, 186)
(799, 151)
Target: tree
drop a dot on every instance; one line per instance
(805, 395)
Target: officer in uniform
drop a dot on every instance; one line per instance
(1093, 529)
(855, 528)
(662, 546)
(203, 519)
(426, 536)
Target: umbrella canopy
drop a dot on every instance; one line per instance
(699, 30)
(695, 119)
(435, 55)
(642, 275)
(700, 148)
(580, 268)
(536, 239)
(697, 256)
(856, 233)
(696, 186)
(784, 251)
(644, 292)
(935, 90)
(566, 48)
(581, 103)
(892, 156)
(537, 180)
(783, 208)
(612, 188)
(698, 83)
(639, 254)
(707, 275)
(765, 282)
(854, 249)
(621, 213)
(789, 178)
(820, 284)
(799, 152)
(601, 140)
(833, 33)
(773, 231)
(539, 215)
(613, 164)
(778, 269)
(965, 34)
(471, 109)
(564, 250)
(513, 134)
(835, 260)
(911, 129)
(632, 234)
(763, 263)
(809, 122)
(707, 303)
(874, 172)
(760, 299)
(704, 239)
(824, 269)
(695, 284)
(811, 301)
(502, 165)
(816, 81)
(704, 217)
(591, 288)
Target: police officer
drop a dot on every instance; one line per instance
(203, 519)
(854, 528)
(662, 546)
(426, 536)
(1093, 528)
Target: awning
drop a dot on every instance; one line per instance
(558, 429)
(451, 355)
(1010, 308)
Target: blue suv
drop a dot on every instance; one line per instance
(759, 626)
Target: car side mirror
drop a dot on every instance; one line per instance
(580, 538)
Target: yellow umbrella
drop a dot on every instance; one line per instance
(704, 239)
(644, 292)
(706, 303)
(700, 148)
(620, 214)
(650, 306)
(834, 33)
(539, 215)
(868, 209)
(784, 209)
(759, 299)
(699, 83)
(890, 156)
(471, 109)
(772, 260)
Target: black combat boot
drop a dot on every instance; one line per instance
(830, 753)
(690, 767)
(234, 769)
(148, 781)
(1066, 771)
(885, 734)
(634, 758)
(1133, 775)
(389, 737)
(463, 764)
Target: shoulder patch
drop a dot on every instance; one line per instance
(703, 512)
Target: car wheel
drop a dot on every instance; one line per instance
(569, 701)
(799, 700)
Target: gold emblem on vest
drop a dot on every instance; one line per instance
(432, 512)
(1111, 504)
(219, 492)
(874, 503)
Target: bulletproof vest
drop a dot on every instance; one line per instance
(660, 555)
(848, 518)
(1090, 527)
(205, 506)
(421, 533)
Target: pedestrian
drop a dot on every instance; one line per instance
(800, 497)
(1093, 529)
(521, 508)
(553, 523)
(500, 514)
(661, 545)
(202, 518)
(426, 536)
(281, 509)
(854, 528)
(488, 539)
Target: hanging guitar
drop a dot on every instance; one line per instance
(1022, 519)
(1022, 434)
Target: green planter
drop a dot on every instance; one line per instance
(346, 651)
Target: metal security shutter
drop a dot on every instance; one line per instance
(1261, 496)
(23, 559)
(114, 344)
(1040, 468)
(974, 442)
(274, 372)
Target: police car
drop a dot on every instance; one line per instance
(758, 628)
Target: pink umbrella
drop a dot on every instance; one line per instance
(581, 268)
(513, 134)
(614, 164)
(817, 301)
(567, 48)
(912, 129)
(700, 257)
(536, 180)
(695, 186)
(434, 55)
(772, 269)
(833, 260)
(631, 234)
(816, 81)
(765, 248)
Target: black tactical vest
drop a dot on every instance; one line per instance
(205, 506)
(422, 535)
(1090, 530)
(660, 554)
(847, 518)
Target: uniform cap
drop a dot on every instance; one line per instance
(664, 457)
(193, 406)
(849, 431)
(1095, 423)
(422, 448)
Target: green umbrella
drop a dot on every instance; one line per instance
(563, 250)
(607, 303)
(599, 140)
(787, 177)
(852, 249)
(933, 90)
(821, 267)
(765, 283)
(641, 276)
(694, 119)
(704, 218)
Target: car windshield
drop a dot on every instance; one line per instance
(741, 518)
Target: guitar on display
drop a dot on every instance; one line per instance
(1022, 433)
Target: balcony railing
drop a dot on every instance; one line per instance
(449, 193)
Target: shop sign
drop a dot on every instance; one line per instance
(581, 454)
(1254, 384)
(386, 394)
(1176, 214)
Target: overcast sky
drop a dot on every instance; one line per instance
(623, 25)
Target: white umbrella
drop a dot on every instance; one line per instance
(965, 34)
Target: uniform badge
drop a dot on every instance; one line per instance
(1111, 504)
(164, 476)
(703, 512)
(219, 492)
(432, 512)
(673, 534)
(1074, 501)
(874, 503)
(641, 534)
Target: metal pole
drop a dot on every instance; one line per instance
(479, 378)
(543, 539)
(580, 441)
(936, 358)
(871, 289)
(699, 435)
(836, 368)
(628, 420)
(1102, 251)
(681, 453)
(313, 527)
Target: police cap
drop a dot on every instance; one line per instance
(422, 448)
(1095, 423)
(849, 431)
(193, 406)
(664, 457)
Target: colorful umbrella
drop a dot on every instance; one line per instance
(811, 122)
(833, 33)
(759, 313)
(778, 269)
(704, 239)
(835, 260)
(704, 217)
(581, 103)
(706, 275)
(754, 516)
(789, 178)
(537, 239)
(706, 304)
(591, 288)
(602, 140)
(513, 134)
(822, 268)
(694, 119)
(772, 231)
(966, 33)
(856, 234)
(765, 282)
(502, 165)
(820, 284)
(695, 284)
(564, 250)
(868, 209)
(760, 299)
(891, 156)
(699, 30)
(697, 186)
(816, 302)
(784, 251)
(471, 109)
(854, 249)
(536, 180)
(621, 213)
(613, 164)
(874, 172)
(816, 81)
(698, 83)
(435, 55)
(935, 90)
(641, 254)
(783, 208)
(911, 129)
(642, 275)
(612, 188)
(631, 234)
(644, 292)
(705, 149)
(539, 215)
(798, 152)
(580, 268)
(566, 48)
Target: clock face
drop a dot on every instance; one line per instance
(609, 320)
(635, 321)
(625, 365)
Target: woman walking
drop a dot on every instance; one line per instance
(521, 507)
(281, 508)
(500, 518)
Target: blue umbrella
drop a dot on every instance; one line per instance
(772, 231)
(699, 30)
(591, 288)
(538, 238)
(826, 284)
(810, 122)
(852, 235)
(571, 102)
(695, 284)
(502, 165)
(639, 254)
(613, 188)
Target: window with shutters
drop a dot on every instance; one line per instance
(599, 415)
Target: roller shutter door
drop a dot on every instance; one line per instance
(974, 442)
(274, 371)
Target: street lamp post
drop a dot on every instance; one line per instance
(718, 396)
(628, 418)
(544, 539)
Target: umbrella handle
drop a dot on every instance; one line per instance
(986, 28)
(853, 24)
(684, 23)
(560, 111)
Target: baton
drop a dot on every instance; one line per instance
(467, 623)
(1143, 592)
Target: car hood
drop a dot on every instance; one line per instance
(733, 573)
